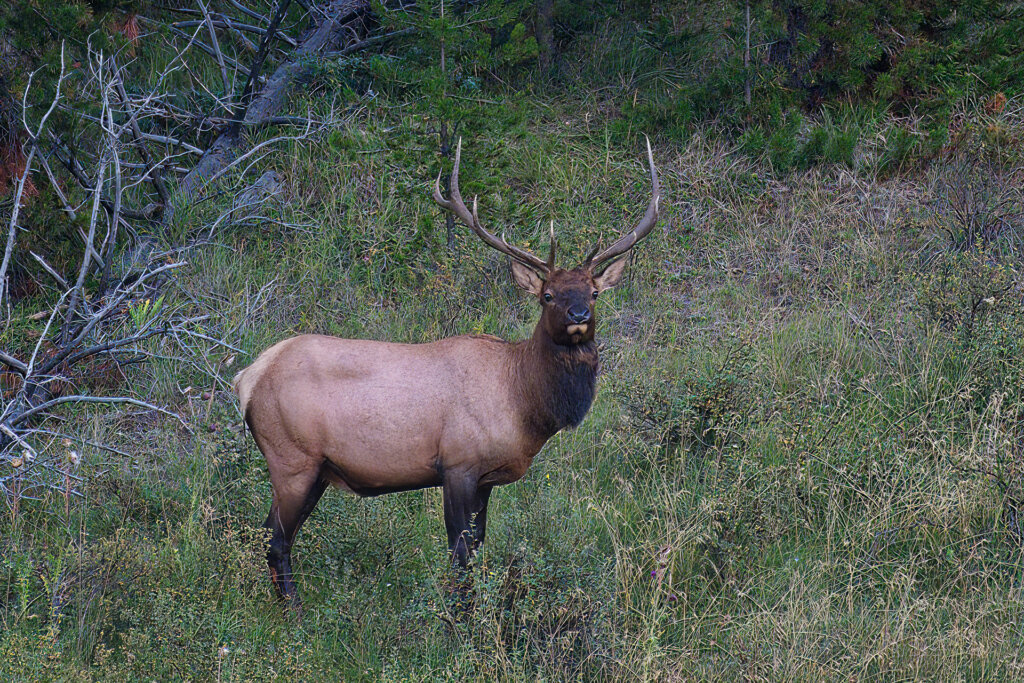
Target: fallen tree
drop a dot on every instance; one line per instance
(336, 22)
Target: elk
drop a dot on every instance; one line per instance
(465, 413)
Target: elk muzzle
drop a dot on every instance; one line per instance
(577, 320)
(578, 315)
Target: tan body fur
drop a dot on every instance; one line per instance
(376, 416)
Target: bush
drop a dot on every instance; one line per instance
(978, 205)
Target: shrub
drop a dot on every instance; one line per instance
(977, 205)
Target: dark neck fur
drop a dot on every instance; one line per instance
(556, 383)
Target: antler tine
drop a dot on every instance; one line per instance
(438, 197)
(472, 220)
(554, 246)
(646, 224)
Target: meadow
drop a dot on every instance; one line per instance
(804, 461)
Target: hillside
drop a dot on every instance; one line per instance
(804, 460)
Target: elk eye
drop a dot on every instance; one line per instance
(548, 297)
(594, 294)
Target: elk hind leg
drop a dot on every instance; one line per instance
(295, 496)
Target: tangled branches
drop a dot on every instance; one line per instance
(95, 321)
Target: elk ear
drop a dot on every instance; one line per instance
(612, 275)
(527, 278)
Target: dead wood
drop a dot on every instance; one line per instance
(328, 35)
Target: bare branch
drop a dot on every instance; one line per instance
(71, 163)
(247, 11)
(269, 101)
(224, 21)
(115, 217)
(78, 398)
(257, 67)
(216, 47)
(228, 61)
(12, 229)
(140, 144)
(87, 257)
(168, 140)
(49, 269)
(369, 42)
(65, 204)
(113, 302)
(13, 363)
(19, 192)
(282, 138)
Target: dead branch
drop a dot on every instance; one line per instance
(12, 230)
(247, 11)
(272, 97)
(95, 323)
(19, 192)
(257, 66)
(208, 49)
(246, 42)
(67, 157)
(55, 184)
(216, 46)
(307, 133)
(89, 242)
(369, 42)
(224, 21)
(168, 140)
(42, 407)
(49, 269)
(152, 170)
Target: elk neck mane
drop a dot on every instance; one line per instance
(555, 383)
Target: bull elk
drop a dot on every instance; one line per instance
(465, 413)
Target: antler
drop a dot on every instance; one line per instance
(472, 221)
(628, 241)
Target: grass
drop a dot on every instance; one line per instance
(795, 468)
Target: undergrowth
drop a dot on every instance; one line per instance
(803, 461)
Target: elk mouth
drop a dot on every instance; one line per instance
(576, 332)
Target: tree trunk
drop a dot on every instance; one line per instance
(446, 151)
(545, 33)
(327, 36)
(746, 60)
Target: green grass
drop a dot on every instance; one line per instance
(779, 479)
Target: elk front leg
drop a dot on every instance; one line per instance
(463, 500)
(479, 522)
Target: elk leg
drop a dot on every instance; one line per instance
(294, 500)
(479, 522)
(460, 503)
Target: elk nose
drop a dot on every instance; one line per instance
(579, 315)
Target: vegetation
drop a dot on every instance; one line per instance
(806, 457)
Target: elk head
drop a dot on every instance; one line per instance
(567, 297)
